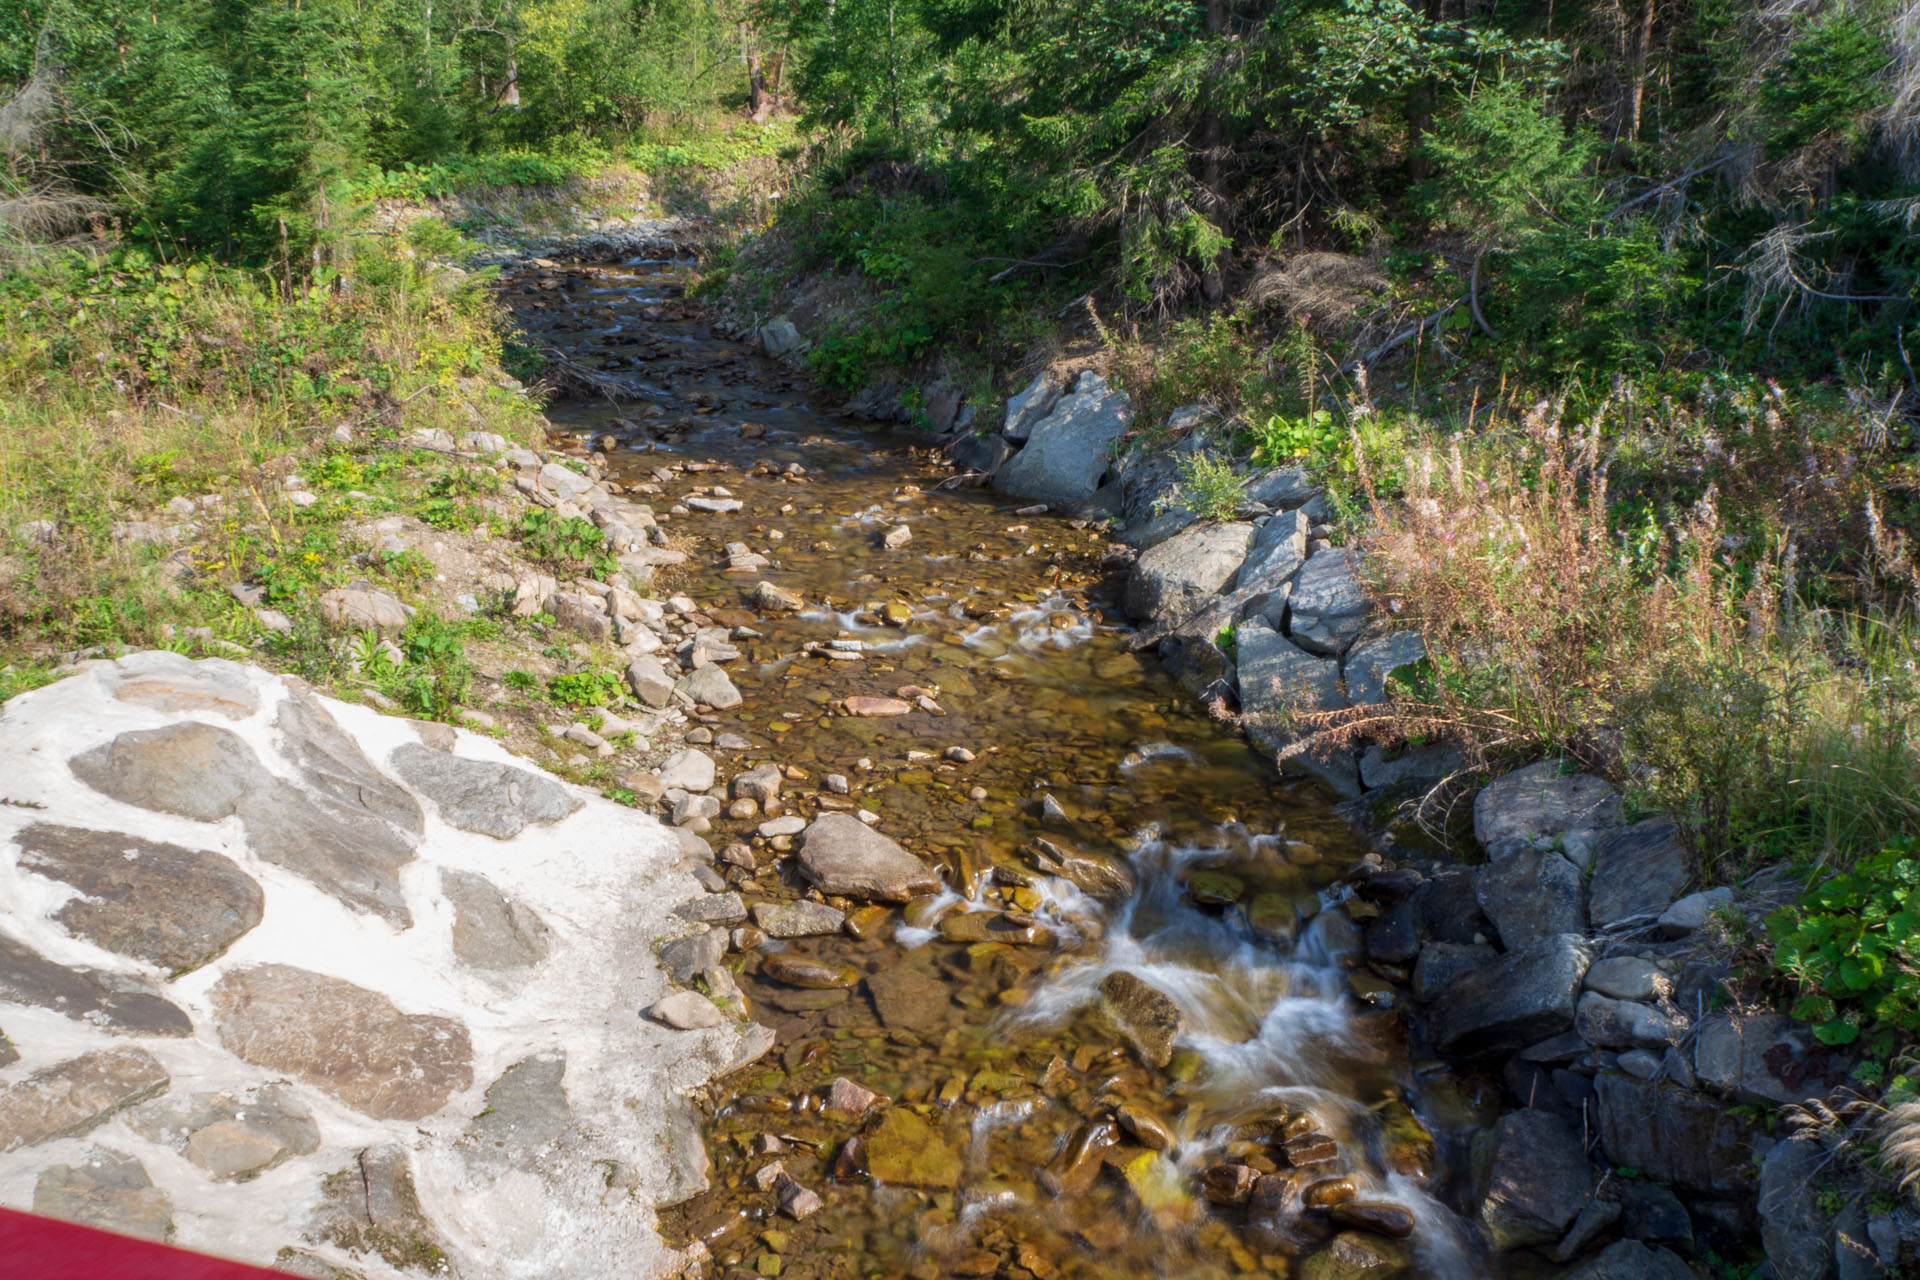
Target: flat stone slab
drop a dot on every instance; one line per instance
(109, 1190)
(178, 908)
(213, 684)
(908, 998)
(231, 1137)
(351, 1042)
(118, 1003)
(490, 930)
(484, 796)
(195, 770)
(797, 919)
(526, 1112)
(74, 1096)
(844, 856)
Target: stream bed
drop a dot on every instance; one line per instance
(1134, 1033)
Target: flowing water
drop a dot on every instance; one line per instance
(1047, 1117)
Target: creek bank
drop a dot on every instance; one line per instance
(1572, 963)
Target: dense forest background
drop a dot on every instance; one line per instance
(1593, 184)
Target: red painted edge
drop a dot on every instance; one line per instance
(36, 1248)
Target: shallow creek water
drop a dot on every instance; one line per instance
(1028, 1131)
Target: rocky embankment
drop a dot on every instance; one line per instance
(1652, 1103)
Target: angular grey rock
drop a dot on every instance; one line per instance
(1629, 978)
(797, 919)
(343, 1039)
(686, 958)
(231, 1137)
(648, 678)
(1329, 606)
(108, 1190)
(350, 609)
(526, 1113)
(843, 856)
(1794, 1230)
(1371, 661)
(71, 1097)
(689, 769)
(1522, 997)
(1266, 578)
(490, 930)
(708, 686)
(1027, 407)
(1175, 579)
(1631, 1260)
(1692, 912)
(1538, 1179)
(983, 453)
(580, 614)
(1068, 451)
(1674, 1135)
(779, 336)
(1441, 962)
(1626, 1024)
(1539, 802)
(118, 1003)
(1636, 871)
(1530, 896)
(493, 799)
(1277, 678)
(178, 908)
(760, 784)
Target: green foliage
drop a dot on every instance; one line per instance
(521, 681)
(571, 544)
(1208, 486)
(1852, 944)
(586, 689)
(1831, 79)
(1281, 438)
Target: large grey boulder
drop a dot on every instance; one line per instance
(1674, 1135)
(1637, 870)
(1175, 579)
(1531, 896)
(1540, 802)
(1329, 606)
(1266, 579)
(1070, 449)
(1281, 487)
(983, 453)
(1519, 999)
(844, 856)
(1031, 405)
(1278, 679)
(1765, 1059)
(1538, 1179)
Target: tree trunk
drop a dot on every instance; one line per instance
(1420, 103)
(1637, 95)
(759, 100)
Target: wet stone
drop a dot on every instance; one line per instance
(483, 796)
(178, 908)
(490, 930)
(797, 919)
(71, 1097)
(1145, 1014)
(908, 998)
(685, 958)
(122, 1005)
(802, 971)
(904, 1150)
(108, 1190)
(346, 1040)
(1374, 1216)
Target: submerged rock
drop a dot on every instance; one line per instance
(904, 1150)
(1145, 1013)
